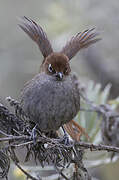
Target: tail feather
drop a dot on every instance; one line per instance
(79, 41)
(36, 33)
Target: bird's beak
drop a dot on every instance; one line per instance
(59, 75)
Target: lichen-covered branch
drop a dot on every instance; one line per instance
(49, 150)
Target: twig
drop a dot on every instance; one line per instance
(5, 134)
(103, 109)
(61, 173)
(54, 142)
(14, 159)
(26, 173)
(11, 137)
(99, 147)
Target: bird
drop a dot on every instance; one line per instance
(51, 99)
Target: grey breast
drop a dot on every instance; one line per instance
(50, 103)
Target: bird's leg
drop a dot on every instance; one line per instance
(75, 130)
(33, 134)
(65, 138)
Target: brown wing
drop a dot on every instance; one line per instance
(79, 41)
(75, 130)
(36, 33)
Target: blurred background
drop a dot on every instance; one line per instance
(20, 58)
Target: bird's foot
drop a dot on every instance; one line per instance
(34, 134)
(65, 139)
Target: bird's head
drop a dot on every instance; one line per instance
(57, 65)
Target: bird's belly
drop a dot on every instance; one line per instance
(52, 106)
(56, 107)
(60, 110)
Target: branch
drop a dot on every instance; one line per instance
(99, 147)
(44, 149)
(14, 138)
(56, 142)
(26, 173)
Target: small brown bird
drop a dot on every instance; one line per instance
(52, 98)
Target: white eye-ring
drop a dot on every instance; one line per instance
(50, 69)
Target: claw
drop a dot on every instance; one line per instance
(65, 139)
(34, 135)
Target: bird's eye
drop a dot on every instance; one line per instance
(50, 69)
